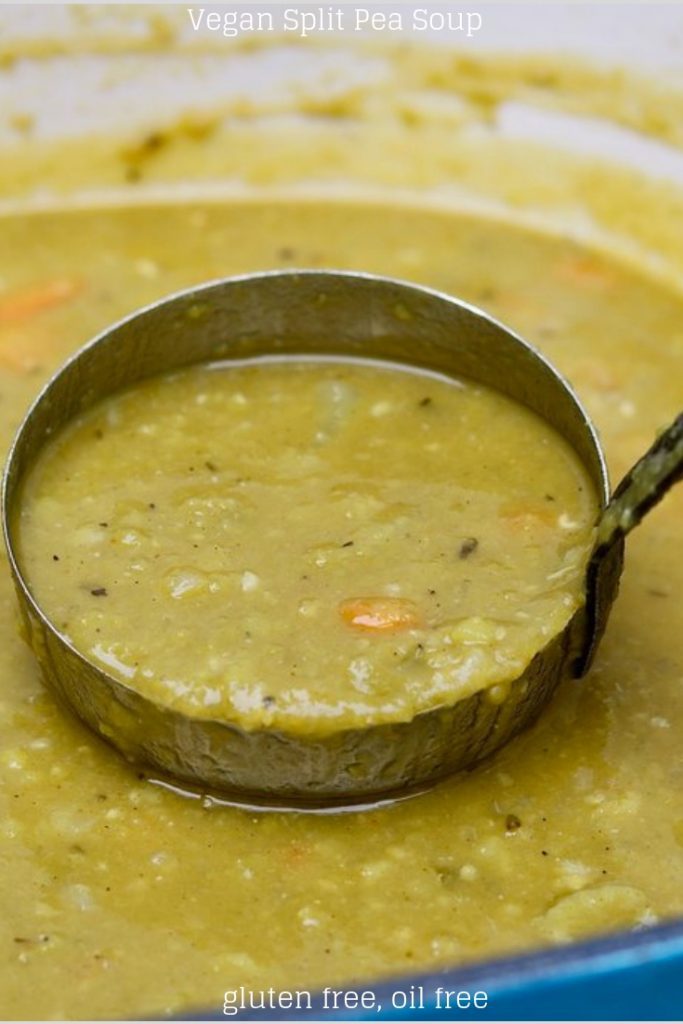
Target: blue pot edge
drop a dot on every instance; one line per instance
(627, 976)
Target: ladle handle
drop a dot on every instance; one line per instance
(641, 489)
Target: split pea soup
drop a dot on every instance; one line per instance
(308, 544)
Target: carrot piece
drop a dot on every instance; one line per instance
(523, 515)
(376, 614)
(296, 854)
(586, 271)
(23, 303)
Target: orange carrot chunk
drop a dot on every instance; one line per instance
(375, 614)
(23, 303)
(586, 271)
(527, 515)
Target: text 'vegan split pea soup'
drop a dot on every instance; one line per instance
(309, 545)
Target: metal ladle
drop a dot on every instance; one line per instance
(342, 314)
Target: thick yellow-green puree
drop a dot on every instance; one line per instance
(308, 544)
(119, 897)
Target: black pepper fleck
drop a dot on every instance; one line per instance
(468, 547)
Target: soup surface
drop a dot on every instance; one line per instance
(308, 545)
(120, 897)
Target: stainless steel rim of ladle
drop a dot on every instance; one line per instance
(304, 313)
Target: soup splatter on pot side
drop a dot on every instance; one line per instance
(121, 898)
